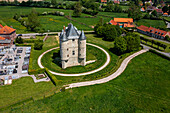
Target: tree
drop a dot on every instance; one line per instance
(109, 7)
(77, 10)
(38, 45)
(99, 30)
(134, 12)
(117, 8)
(33, 21)
(165, 9)
(19, 40)
(133, 42)
(154, 13)
(53, 2)
(119, 30)
(110, 32)
(120, 45)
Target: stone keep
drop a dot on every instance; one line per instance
(72, 47)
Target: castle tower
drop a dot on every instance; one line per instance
(82, 49)
(72, 47)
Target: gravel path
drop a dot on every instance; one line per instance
(112, 76)
(79, 74)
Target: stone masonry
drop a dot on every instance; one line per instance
(72, 47)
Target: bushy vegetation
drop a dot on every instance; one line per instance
(109, 32)
(128, 43)
(19, 40)
(38, 45)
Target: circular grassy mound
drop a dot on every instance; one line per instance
(51, 60)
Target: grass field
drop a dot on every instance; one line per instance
(23, 88)
(116, 15)
(153, 23)
(142, 87)
(92, 53)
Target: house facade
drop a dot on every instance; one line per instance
(7, 34)
(152, 32)
(122, 22)
(72, 47)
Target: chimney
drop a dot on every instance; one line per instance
(64, 28)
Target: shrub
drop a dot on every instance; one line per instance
(120, 45)
(19, 40)
(38, 45)
(52, 77)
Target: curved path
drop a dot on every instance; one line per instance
(112, 76)
(79, 74)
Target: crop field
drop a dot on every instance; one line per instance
(51, 22)
(153, 23)
(142, 87)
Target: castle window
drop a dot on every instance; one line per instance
(73, 52)
(67, 55)
(67, 49)
(73, 40)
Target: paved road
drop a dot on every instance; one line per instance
(112, 76)
(34, 78)
(79, 74)
(33, 34)
(147, 47)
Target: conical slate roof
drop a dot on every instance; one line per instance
(71, 31)
(82, 36)
(63, 36)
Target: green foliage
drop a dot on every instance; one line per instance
(38, 45)
(165, 9)
(110, 32)
(19, 40)
(33, 21)
(100, 30)
(134, 12)
(154, 13)
(53, 2)
(2, 23)
(133, 42)
(31, 40)
(117, 8)
(109, 8)
(120, 45)
(167, 38)
(36, 71)
(77, 10)
(52, 77)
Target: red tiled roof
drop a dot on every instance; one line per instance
(157, 31)
(143, 28)
(113, 22)
(142, 9)
(6, 30)
(116, 2)
(1, 26)
(123, 20)
(2, 38)
(128, 25)
(103, 0)
(165, 14)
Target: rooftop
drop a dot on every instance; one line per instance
(6, 30)
(123, 19)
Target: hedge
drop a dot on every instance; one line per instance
(36, 71)
(31, 40)
(52, 77)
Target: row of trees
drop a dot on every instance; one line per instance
(113, 8)
(159, 44)
(128, 43)
(109, 32)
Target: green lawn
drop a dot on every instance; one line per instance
(142, 87)
(23, 88)
(92, 53)
(116, 15)
(153, 23)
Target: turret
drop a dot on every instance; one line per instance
(63, 46)
(82, 46)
